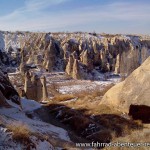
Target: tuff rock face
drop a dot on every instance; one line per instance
(7, 91)
(69, 67)
(35, 87)
(49, 57)
(76, 74)
(87, 60)
(109, 53)
(134, 90)
(81, 56)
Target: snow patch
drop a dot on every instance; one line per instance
(29, 105)
(41, 145)
(15, 115)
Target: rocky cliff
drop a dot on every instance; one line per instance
(58, 51)
(7, 91)
(134, 90)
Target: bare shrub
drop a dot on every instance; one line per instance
(63, 97)
(134, 137)
(70, 83)
(21, 132)
(53, 89)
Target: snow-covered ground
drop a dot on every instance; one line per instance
(16, 115)
(2, 42)
(7, 142)
(35, 125)
(10, 40)
(86, 85)
(66, 85)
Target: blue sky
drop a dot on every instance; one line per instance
(109, 16)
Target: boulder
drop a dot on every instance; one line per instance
(134, 90)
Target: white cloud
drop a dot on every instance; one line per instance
(32, 5)
(32, 17)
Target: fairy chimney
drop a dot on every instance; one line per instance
(87, 60)
(44, 88)
(74, 54)
(34, 83)
(39, 90)
(22, 66)
(69, 67)
(76, 70)
(28, 87)
(30, 59)
(49, 59)
(117, 65)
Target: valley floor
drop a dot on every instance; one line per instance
(70, 115)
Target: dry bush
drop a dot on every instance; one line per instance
(103, 136)
(90, 101)
(70, 83)
(53, 89)
(134, 137)
(79, 123)
(139, 122)
(82, 94)
(63, 97)
(118, 124)
(21, 132)
(104, 109)
(17, 80)
(103, 91)
(97, 92)
(78, 119)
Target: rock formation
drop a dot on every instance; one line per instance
(117, 64)
(140, 112)
(121, 54)
(38, 59)
(44, 88)
(3, 101)
(134, 90)
(34, 79)
(49, 58)
(30, 60)
(22, 66)
(7, 91)
(39, 92)
(69, 67)
(87, 60)
(76, 74)
(35, 87)
(28, 87)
